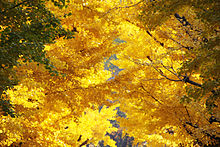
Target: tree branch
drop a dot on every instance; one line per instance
(187, 80)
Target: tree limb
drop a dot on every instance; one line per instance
(187, 80)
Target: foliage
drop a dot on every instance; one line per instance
(25, 27)
(156, 61)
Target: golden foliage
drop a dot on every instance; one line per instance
(64, 110)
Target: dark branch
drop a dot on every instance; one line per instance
(212, 119)
(182, 20)
(79, 138)
(189, 123)
(187, 80)
(155, 38)
(84, 143)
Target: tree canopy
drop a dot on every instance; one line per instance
(79, 71)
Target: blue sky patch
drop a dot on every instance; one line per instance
(111, 67)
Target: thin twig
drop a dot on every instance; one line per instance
(186, 47)
(188, 114)
(153, 79)
(115, 8)
(162, 44)
(161, 73)
(150, 94)
(171, 71)
(158, 70)
(14, 6)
